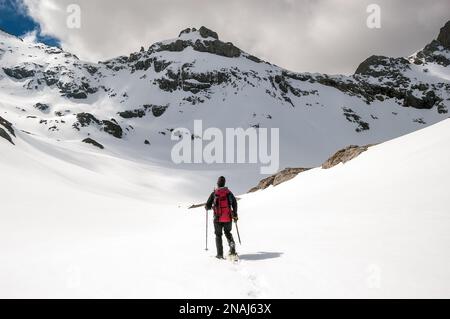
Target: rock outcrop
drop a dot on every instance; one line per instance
(344, 155)
(6, 136)
(93, 142)
(109, 126)
(278, 178)
(444, 35)
(6, 130)
(42, 107)
(157, 111)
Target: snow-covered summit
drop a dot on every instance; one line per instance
(194, 34)
(131, 104)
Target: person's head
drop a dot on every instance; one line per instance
(221, 181)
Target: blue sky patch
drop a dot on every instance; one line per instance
(15, 20)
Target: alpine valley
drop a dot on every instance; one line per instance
(92, 204)
(129, 106)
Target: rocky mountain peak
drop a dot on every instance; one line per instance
(444, 35)
(203, 32)
(202, 40)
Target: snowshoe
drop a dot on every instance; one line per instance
(233, 257)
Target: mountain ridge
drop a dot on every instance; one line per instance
(132, 104)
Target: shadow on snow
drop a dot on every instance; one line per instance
(261, 255)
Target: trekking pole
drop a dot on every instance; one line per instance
(237, 230)
(206, 214)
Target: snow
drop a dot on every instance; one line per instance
(77, 223)
(310, 131)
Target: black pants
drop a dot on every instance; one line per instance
(226, 228)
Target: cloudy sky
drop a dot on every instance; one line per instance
(328, 36)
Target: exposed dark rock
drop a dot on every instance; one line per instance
(432, 54)
(9, 128)
(378, 66)
(112, 128)
(351, 116)
(134, 57)
(187, 31)
(254, 58)
(167, 85)
(160, 65)
(205, 33)
(7, 125)
(76, 91)
(369, 91)
(116, 64)
(194, 100)
(218, 47)
(86, 119)
(426, 102)
(182, 80)
(50, 77)
(413, 101)
(195, 87)
(146, 142)
(132, 113)
(442, 109)
(42, 107)
(143, 64)
(76, 95)
(93, 142)
(19, 72)
(109, 126)
(420, 86)
(6, 136)
(91, 69)
(211, 46)
(281, 82)
(444, 35)
(158, 110)
(344, 155)
(419, 120)
(278, 178)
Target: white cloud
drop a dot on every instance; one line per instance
(29, 37)
(301, 35)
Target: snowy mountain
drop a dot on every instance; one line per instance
(93, 206)
(127, 107)
(84, 224)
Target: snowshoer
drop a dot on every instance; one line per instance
(224, 205)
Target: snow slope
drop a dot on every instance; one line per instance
(78, 223)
